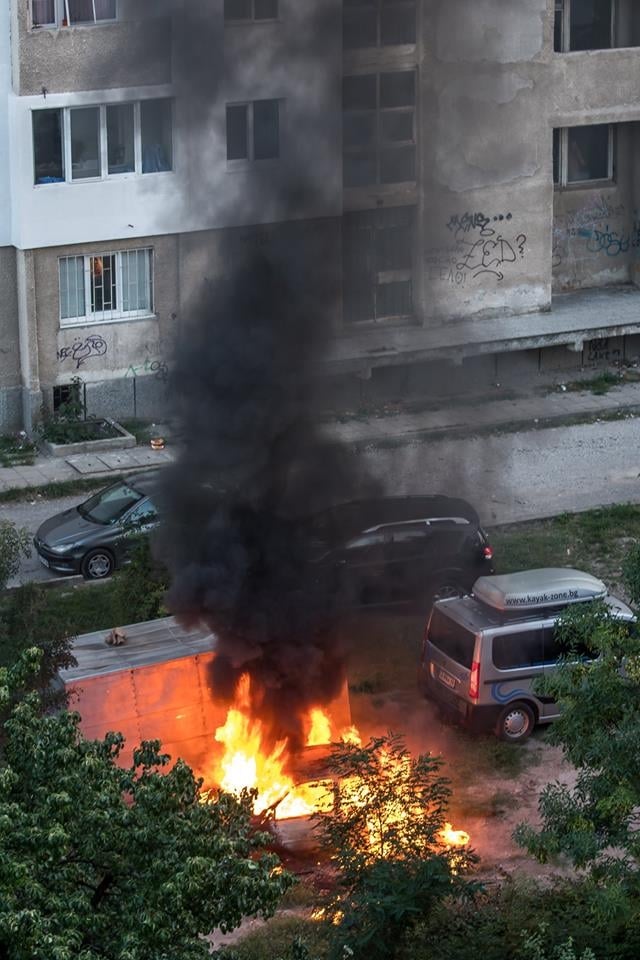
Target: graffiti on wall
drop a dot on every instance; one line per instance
(159, 369)
(483, 246)
(599, 227)
(82, 350)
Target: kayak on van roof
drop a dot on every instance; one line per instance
(535, 589)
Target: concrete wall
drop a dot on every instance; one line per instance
(595, 235)
(128, 376)
(135, 51)
(5, 88)
(486, 157)
(10, 390)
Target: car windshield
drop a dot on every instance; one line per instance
(109, 505)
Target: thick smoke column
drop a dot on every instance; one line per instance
(253, 466)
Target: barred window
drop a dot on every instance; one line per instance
(101, 287)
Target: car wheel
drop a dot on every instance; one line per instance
(516, 722)
(446, 590)
(97, 564)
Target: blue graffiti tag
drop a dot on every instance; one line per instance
(502, 697)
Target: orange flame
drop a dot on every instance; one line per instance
(247, 763)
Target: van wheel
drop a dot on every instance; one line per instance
(515, 723)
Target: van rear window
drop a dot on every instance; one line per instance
(451, 639)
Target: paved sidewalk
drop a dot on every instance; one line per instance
(486, 416)
(47, 470)
(483, 416)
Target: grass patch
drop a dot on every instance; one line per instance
(595, 541)
(383, 651)
(60, 488)
(474, 756)
(142, 430)
(16, 452)
(274, 940)
(85, 608)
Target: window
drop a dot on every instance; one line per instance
(583, 154)
(378, 250)
(248, 10)
(455, 641)
(379, 128)
(52, 13)
(90, 143)
(253, 130)
(65, 393)
(378, 23)
(513, 651)
(48, 157)
(105, 286)
(583, 25)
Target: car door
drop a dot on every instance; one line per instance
(135, 526)
(407, 546)
(362, 568)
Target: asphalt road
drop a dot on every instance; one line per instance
(508, 477)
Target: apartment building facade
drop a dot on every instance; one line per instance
(454, 183)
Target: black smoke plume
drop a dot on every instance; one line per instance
(254, 468)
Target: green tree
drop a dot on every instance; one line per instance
(15, 543)
(99, 862)
(597, 685)
(27, 620)
(384, 832)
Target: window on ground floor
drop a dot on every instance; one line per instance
(56, 13)
(378, 120)
(253, 130)
(584, 25)
(378, 250)
(583, 154)
(90, 143)
(378, 23)
(108, 286)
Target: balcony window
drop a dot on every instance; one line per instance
(108, 286)
(98, 142)
(48, 155)
(156, 136)
(379, 128)
(253, 130)
(239, 11)
(121, 138)
(85, 143)
(583, 155)
(67, 13)
(584, 25)
(378, 23)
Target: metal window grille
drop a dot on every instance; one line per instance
(106, 286)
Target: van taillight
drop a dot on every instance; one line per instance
(487, 552)
(474, 680)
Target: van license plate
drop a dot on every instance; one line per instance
(447, 679)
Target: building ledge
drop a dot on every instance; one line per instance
(573, 319)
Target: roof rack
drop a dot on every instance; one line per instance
(538, 589)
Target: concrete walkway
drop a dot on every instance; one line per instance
(485, 415)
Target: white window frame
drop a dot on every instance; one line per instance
(565, 38)
(62, 19)
(563, 182)
(102, 141)
(106, 316)
(252, 18)
(250, 158)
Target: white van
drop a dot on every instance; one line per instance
(482, 653)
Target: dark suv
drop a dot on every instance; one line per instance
(400, 549)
